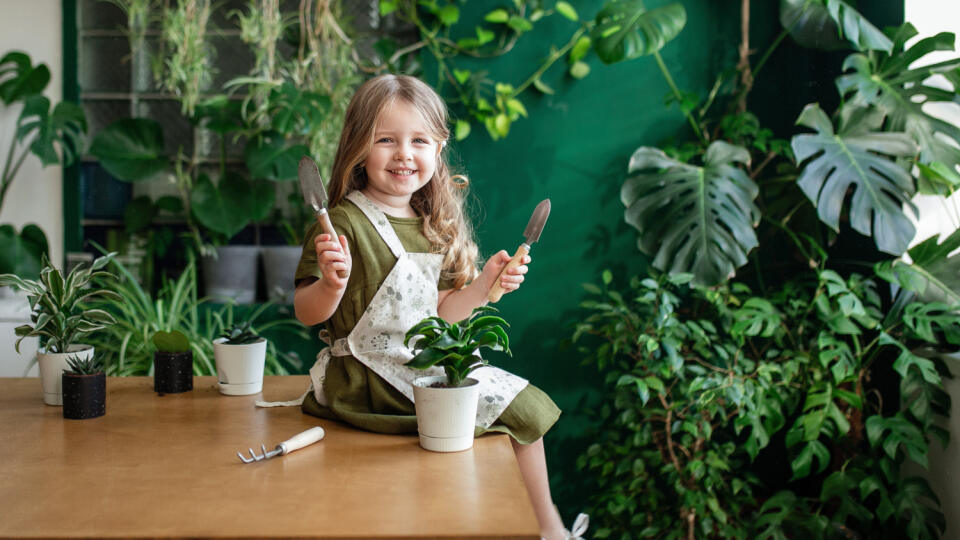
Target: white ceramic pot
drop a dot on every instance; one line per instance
(52, 366)
(240, 367)
(446, 416)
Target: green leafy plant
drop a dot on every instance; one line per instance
(84, 366)
(174, 341)
(127, 346)
(240, 333)
(455, 346)
(712, 388)
(39, 131)
(789, 412)
(59, 314)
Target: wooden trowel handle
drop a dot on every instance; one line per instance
(497, 291)
(324, 220)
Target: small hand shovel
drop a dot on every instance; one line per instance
(296, 442)
(315, 195)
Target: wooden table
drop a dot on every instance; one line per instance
(166, 467)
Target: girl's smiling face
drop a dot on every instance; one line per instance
(403, 156)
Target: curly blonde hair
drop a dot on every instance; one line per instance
(441, 201)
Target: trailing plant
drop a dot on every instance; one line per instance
(455, 346)
(84, 366)
(240, 333)
(621, 30)
(712, 384)
(128, 345)
(59, 312)
(39, 131)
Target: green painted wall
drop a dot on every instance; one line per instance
(574, 149)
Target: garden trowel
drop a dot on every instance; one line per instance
(531, 234)
(311, 185)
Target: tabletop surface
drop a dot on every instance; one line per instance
(165, 466)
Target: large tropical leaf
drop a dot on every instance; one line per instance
(933, 274)
(625, 29)
(268, 156)
(692, 219)
(887, 82)
(131, 149)
(230, 205)
(823, 24)
(22, 254)
(65, 127)
(19, 78)
(858, 157)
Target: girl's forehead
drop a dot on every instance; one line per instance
(401, 113)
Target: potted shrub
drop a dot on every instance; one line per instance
(240, 355)
(172, 363)
(446, 405)
(60, 316)
(84, 388)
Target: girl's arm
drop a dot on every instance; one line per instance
(456, 305)
(315, 302)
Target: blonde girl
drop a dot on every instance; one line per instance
(406, 251)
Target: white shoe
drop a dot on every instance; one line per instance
(579, 527)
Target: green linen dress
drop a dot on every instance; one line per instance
(355, 394)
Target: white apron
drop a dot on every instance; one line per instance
(407, 296)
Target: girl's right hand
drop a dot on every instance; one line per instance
(331, 259)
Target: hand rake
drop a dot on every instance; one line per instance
(296, 442)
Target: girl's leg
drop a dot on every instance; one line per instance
(533, 468)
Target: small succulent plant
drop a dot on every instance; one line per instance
(172, 342)
(453, 346)
(84, 366)
(240, 334)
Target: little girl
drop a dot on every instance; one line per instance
(405, 252)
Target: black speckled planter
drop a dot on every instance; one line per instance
(172, 372)
(84, 396)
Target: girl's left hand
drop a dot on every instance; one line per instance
(511, 279)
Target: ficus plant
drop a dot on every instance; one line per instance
(455, 346)
(766, 380)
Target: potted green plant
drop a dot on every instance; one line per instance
(240, 355)
(446, 405)
(172, 363)
(84, 388)
(60, 316)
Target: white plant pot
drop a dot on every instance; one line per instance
(446, 416)
(52, 366)
(240, 367)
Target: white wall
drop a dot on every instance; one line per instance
(941, 216)
(36, 194)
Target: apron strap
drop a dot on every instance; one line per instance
(379, 221)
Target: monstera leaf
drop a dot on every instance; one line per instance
(21, 254)
(64, 126)
(268, 156)
(693, 219)
(19, 78)
(822, 24)
(887, 82)
(131, 149)
(229, 206)
(857, 156)
(626, 30)
(933, 274)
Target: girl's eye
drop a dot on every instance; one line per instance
(421, 140)
(385, 140)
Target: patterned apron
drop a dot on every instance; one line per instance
(407, 296)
